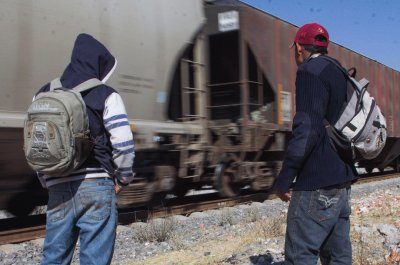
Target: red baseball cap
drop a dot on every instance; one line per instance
(307, 34)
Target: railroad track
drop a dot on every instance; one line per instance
(378, 176)
(16, 230)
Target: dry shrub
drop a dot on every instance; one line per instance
(253, 214)
(273, 227)
(178, 242)
(155, 230)
(225, 217)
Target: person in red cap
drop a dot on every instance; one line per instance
(314, 178)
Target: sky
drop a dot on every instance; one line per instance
(369, 27)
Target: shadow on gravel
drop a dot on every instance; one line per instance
(267, 259)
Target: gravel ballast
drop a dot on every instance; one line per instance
(245, 234)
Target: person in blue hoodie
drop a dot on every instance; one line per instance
(314, 178)
(83, 204)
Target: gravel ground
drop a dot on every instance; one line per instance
(245, 234)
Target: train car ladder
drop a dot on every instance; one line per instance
(193, 95)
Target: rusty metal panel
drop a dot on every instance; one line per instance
(269, 38)
(396, 100)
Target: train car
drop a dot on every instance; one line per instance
(208, 85)
(147, 37)
(259, 61)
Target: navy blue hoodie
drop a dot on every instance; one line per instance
(113, 152)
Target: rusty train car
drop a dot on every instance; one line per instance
(208, 85)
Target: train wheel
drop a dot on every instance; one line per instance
(157, 200)
(180, 192)
(181, 188)
(369, 170)
(397, 165)
(21, 205)
(225, 181)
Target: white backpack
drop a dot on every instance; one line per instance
(360, 132)
(56, 130)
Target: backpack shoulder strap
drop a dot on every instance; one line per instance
(361, 85)
(88, 84)
(56, 83)
(336, 63)
(91, 83)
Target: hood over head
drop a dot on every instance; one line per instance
(89, 59)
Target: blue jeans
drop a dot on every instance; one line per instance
(318, 224)
(85, 209)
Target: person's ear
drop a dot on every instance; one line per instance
(299, 48)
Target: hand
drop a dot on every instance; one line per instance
(284, 196)
(117, 188)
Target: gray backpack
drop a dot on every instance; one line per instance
(360, 132)
(56, 130)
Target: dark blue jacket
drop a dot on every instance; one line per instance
(310, 159)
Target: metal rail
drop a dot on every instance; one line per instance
(16, 230)
(190, 207)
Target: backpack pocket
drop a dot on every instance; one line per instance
(44, 146)
(370, 142)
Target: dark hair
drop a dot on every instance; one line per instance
(317, 49)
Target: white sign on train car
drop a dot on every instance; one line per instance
(228, 21)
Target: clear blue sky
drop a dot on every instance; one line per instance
(369, 27)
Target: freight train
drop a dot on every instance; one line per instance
(208, 87)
